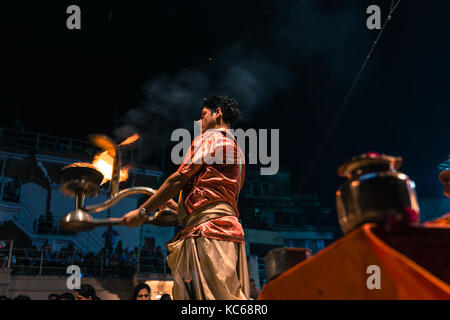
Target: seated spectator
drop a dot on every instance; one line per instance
(86, 292)
(4, 263)
(26, 260)
(119, 247)
(165, 296)
(47, 250)
(148, 260)
(66, 296)
(141, 292)
(53, 296)
(22, 297)
(34, 253)
(4, 298)
(110, 238)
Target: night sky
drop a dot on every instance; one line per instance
(288, 63)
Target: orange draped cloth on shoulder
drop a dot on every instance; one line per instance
(340, 272)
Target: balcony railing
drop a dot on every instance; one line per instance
(44, 142)
(114, 264)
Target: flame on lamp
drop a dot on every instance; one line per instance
(103, 162)
(129, 140)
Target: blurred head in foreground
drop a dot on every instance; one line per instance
(141, 292)
(86, 292)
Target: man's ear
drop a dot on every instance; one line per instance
(219, 112)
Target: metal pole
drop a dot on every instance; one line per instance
(80, 199)
(101, 267)
(40, 266)
(138, 261)
(10, 253)
(116, 173)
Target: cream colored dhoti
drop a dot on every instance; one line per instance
(208, 269)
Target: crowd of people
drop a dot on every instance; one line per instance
(141, 291)
(109, 262)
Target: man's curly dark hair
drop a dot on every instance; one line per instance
(229, 107)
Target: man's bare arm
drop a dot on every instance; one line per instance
(171, 204)
(169, 189)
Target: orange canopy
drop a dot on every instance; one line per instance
(340, 272)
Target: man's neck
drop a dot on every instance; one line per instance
(222, 126)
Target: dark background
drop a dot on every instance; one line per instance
(288, 63)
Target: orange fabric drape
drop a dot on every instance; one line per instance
(340, 272)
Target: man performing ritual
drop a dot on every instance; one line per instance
(443, 221)
(207, 257)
